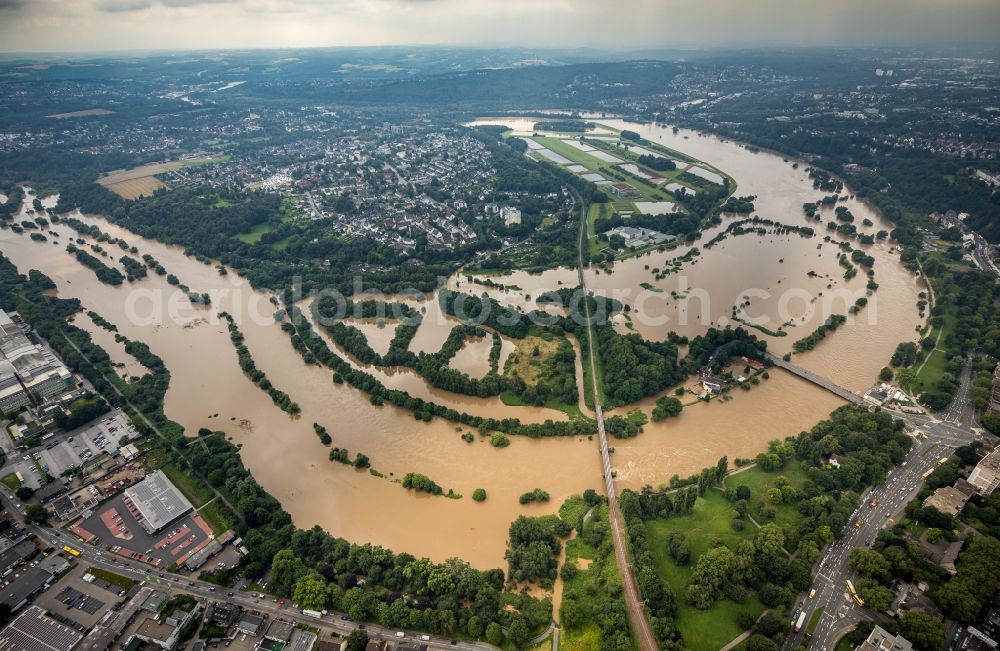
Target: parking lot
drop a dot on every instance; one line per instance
(83, 445)
(79, 601)
(171, 545)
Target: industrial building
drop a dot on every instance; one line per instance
(155, 502)
(636, 236)
(33, 630)
(29, 373)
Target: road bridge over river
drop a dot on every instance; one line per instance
(818, 380)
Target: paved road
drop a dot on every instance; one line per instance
(181, 584)
(816, 379)
(936, 438)
(634, 605)
(981, 255)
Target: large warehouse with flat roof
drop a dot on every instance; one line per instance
(155, 502)
(32, 630)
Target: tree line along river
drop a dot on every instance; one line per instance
(208, 389)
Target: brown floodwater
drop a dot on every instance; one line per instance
(781, 406)
(378, 332)
(209, 390)
(851, 356)
(772, 271)
(127, 366)
(473, 358)
(405, 379)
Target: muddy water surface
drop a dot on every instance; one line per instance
(286, 457)
(283, 453)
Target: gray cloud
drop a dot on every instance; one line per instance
(81, 25)
(119, 6)
(192, 3)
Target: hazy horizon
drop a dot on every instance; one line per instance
(114, 26)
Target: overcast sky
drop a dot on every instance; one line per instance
(104, 25)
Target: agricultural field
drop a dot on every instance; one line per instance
(135, 188)
(80, 114)
(141, 181)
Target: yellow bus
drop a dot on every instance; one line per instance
(69, 550)
(858, 600)
(927, 474)
(850, 587)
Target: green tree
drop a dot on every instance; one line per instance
(474, 627)
(667, 407)
(37, 514)
(926, 632)
(286, 568)
(494, 634)
(518, 631)
(869, 563)
(357, 640)
(572, 614)
(877, 597)
(479, 495)
(311, 592)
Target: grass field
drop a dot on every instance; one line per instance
(814, 620)
(10, 481)
(253, 236)
(601, 167)
(759, 481)
(593, 575)
(135, 188)
(596, 243)
(213, 514)
(525, 363)
(932, 368)
(588, 384)
(122, 582)
(703, 630)
(573, 411)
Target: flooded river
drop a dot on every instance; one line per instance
(209, 390)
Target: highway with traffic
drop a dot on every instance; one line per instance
(934, 439)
